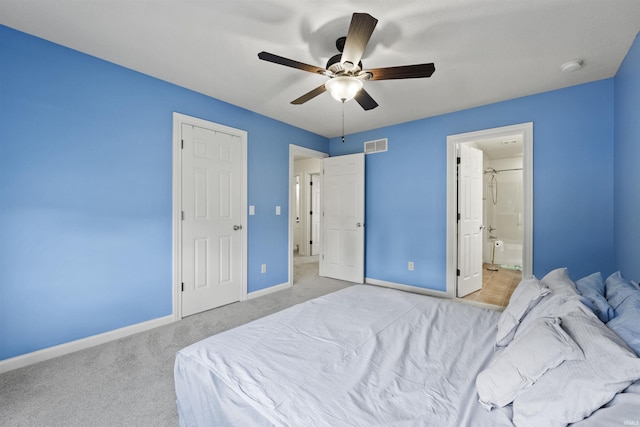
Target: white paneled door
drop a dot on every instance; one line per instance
(470, 220)
(343, 218)
(212, 169)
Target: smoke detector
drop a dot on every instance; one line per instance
(570, 66)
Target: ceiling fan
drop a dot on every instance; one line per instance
(345, 70)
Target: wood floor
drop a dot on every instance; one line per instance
(497, 286)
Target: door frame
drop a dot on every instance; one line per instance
(293, 151)
(309, 220)
(176, 203)
(525, 130)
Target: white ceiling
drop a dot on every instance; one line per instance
(503, 147)
(484, 50)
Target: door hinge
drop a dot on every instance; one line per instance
(458, 160)
(458, 216)
(457, 272)
(310, 212)
(310, 182)
(311, 242)
(182, 287)
(182, 144)
(182, 215)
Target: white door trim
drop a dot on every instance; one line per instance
(307, 152)
(524, 129)
(178, 121)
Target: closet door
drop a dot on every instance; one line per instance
(212, 232)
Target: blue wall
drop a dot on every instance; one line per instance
(626, 171)
(573, 185)
(85, 200)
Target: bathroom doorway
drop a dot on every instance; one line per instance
(502, 205)
(505, 229)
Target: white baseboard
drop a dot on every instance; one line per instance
(407, 288)
(267, 291)
(81, 344)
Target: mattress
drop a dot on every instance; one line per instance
(362, 356)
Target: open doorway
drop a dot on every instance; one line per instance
(305, 167)
(502, 219)
(504, 226)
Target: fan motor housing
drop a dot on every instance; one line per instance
(335, 66)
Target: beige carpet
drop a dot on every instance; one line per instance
(129, 382)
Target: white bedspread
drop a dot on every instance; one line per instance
(363, 356)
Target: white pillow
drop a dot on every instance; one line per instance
(526, 295)
(576, 388)
(562, 299)
(542, 346)
(558, 281)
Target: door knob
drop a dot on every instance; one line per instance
(237, 227)
(358, 225)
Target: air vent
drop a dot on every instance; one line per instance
(376, 146)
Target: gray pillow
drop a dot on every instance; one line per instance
(562, 300)
(542, 346)
(526, 295)
(592, 289)
(559, 282)
(576, 388)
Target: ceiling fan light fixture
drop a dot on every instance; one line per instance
(343, 88)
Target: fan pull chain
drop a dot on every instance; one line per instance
(343, 121)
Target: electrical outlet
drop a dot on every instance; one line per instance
(410, 265)
(263, 269)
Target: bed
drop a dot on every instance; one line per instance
(372, 356)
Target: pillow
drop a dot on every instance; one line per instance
(559, 282)
(542, 346)
(562, 299)
(627, 321)
(627, 328)
(526, 295)
(617, 289)
(576, 388)
(591, 283)
(592, 289)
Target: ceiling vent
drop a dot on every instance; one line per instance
(376, 146)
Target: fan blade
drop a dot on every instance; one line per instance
(266, 56)
(309, 95)
(365, 100)
(402, 72)
(360, 30)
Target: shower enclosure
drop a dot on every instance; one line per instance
(503, 210)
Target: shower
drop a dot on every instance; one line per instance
(493, 184)
(503, 212)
